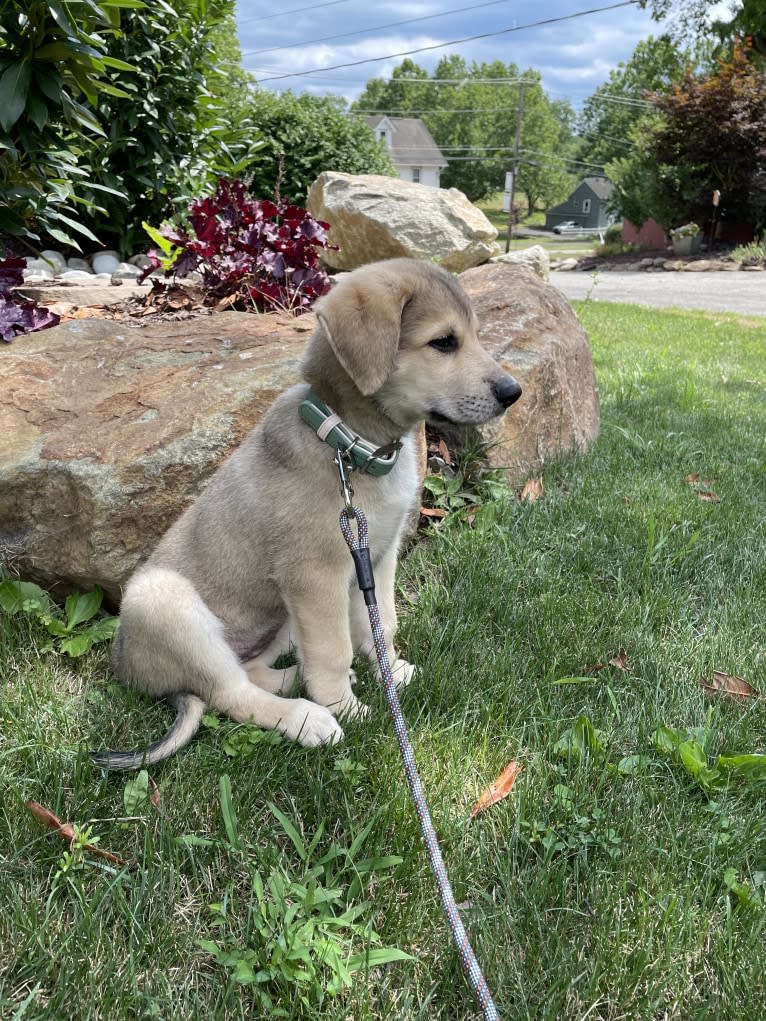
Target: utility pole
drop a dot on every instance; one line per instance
(515, 171)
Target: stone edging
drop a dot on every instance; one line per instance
(655, 264)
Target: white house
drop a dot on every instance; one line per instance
(415, 155)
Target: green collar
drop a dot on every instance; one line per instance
(359, 454)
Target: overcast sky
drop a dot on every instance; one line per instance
(573, 55)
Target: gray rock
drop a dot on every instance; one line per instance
(58, 260)
(373, 217)
(125, 271)
(75, 263)
(142, 261)
(105, 262)
(535, 258)
(75, 275)
(38, 269)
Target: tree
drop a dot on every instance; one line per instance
(609, 115)
(713, 136)
(471, 112)
(700, 18)
(304, 135)
(709, 133)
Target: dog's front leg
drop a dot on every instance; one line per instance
(361, 637)
(318, 602)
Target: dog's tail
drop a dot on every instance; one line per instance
(189, 710)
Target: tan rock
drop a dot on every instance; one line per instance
(532, 331)
(373, 217)
(108, 431)
(699, 266)
(535, 258)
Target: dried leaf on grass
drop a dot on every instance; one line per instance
(498, 790)
(532, 491)
(433, 512)
(728, 684)
(620, 661)
(66, 831)
(697, 484)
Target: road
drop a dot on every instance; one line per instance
(715, 291)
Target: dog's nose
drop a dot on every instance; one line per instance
(506, 390)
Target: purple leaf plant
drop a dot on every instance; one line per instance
(17, 315)
(253, 254)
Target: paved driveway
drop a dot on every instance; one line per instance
(715, 291)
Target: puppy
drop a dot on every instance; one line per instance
(257, 566)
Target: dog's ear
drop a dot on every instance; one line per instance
(363, 319)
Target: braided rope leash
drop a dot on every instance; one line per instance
(360, 552)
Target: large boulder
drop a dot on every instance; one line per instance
(109, 431)
(532, 331)
(373, 217)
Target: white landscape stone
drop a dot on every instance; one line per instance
(58, 260)
(105, 262)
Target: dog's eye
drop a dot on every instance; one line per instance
(444, 344)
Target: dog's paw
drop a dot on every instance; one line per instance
(310, 724)
(402, 672)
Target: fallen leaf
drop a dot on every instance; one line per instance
(444, 451)
(728, 684)
(66, 831)
(498, 790)
(594, 668)
(620, 661)
(703, 494)
(155, 797)
(433, 512)
(532, 491)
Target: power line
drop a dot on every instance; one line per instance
(452, 42)
(374, 28)
(295, 10)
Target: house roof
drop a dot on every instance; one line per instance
(411, 141)
(602, 187)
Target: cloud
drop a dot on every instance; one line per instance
(573, 56)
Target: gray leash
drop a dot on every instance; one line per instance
(361, 553)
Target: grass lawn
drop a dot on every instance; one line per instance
(623, 878)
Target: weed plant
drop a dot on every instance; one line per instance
(617, 881)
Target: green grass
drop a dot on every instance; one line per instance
(589, 892)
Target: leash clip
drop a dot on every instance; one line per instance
(343, 461)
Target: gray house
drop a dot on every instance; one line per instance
(587, 205)
(415, 155)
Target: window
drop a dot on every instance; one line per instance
(586, 205)
(416, 175)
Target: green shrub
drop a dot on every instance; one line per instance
(309, 134)
(167, 139)
(753, 254)
(52, 68)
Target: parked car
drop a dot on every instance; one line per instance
(566, 227)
